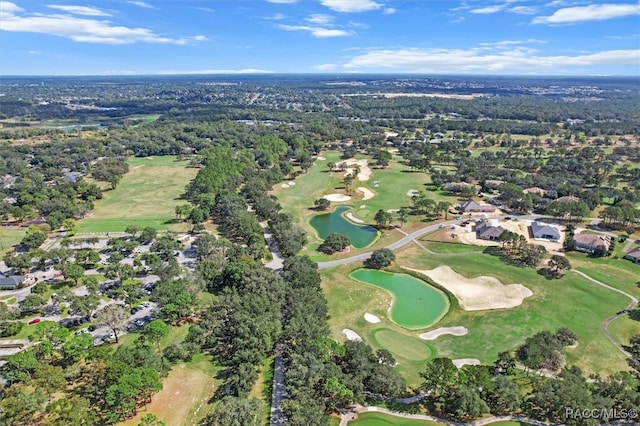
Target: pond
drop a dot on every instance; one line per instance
(326, 223)
(416, 304)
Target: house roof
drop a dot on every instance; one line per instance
(592, 240)
(538, 228)
(633, 254)
(488, 229)
(567, 198)
(11, 281)
(534, 190)
(472, 205)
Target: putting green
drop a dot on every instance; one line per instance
(416, 304)
(403, 346)
(326, 223)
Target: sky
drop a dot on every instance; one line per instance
(479, 37)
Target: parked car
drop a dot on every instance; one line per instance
(34, 321)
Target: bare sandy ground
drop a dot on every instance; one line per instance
(434, 334)
(352, 218)
(352, 335)
(373, 319)
(412, 192)
(365, 171)
(337, 197)
(367, 193)
(479, 293)
(466, 236)
(465, 361)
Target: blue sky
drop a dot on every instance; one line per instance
(111, 37)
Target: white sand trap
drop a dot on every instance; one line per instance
(365, 171)
(412, 192)
(292, 183)
(393, 210)
(371, 318)
(479, 293)
(320, 158)
(363, 206)
(285, 185)
(367, 193)
(465, 361)
(337, 197)
(352, 218)
(376, 185)
(352, 335)
(434, 334)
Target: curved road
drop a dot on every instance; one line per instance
(402, 242)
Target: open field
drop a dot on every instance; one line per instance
(389, 187)
(146, 196)
(9, 237)
(572, 301)
(383, 419)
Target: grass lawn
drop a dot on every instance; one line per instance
(383, 419)
(624, 328)
(571, 301)
(619, 273)
(390, 186)
(146, 196)
(263, 387)
(9, 237)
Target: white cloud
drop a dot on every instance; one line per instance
(318, 32)
(326, 67)
(79, 10)
(82, 29)
(141, 4)
(478, 60)
(282, 1)
(389, 11)
(33, 52)
(593, 12)
(320, 19)
(351, 5)
(523, 10)
(204, 9)
(489, 9)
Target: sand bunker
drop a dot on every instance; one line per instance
(365, 171)
(371, 318)
(479, 293)
(292, 183)
(412, 192)
(434, 334)
(352, 218)
(285, 185)
(352, 335)
(465, 361)
(367, 193)
(336, 197)
(320, 158)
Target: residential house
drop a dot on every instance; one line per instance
(11, 282)
(634, 256)
(488, 230)
(568, 199)
(543, 231)
(592, 243)
(473, 207)
(535, 190)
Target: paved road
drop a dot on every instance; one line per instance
(393, 246)
(279, 393)
(605, 323)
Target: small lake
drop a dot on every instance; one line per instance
(416, 304)
(326, 223)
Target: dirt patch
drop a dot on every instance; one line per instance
(352, 335)
(365, 171)
(434, 334)
(184, 393)
(478, 293)
(352, 218)
(465, 361)
(367, 193)
(337, 197)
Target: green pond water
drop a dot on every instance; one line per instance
(416, 304)
(326, 223)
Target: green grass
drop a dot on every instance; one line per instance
(383, 419)
(146, 196)
(391, 193)
(9, 237)
(571, 301)
(401, 346)
(624, 328)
